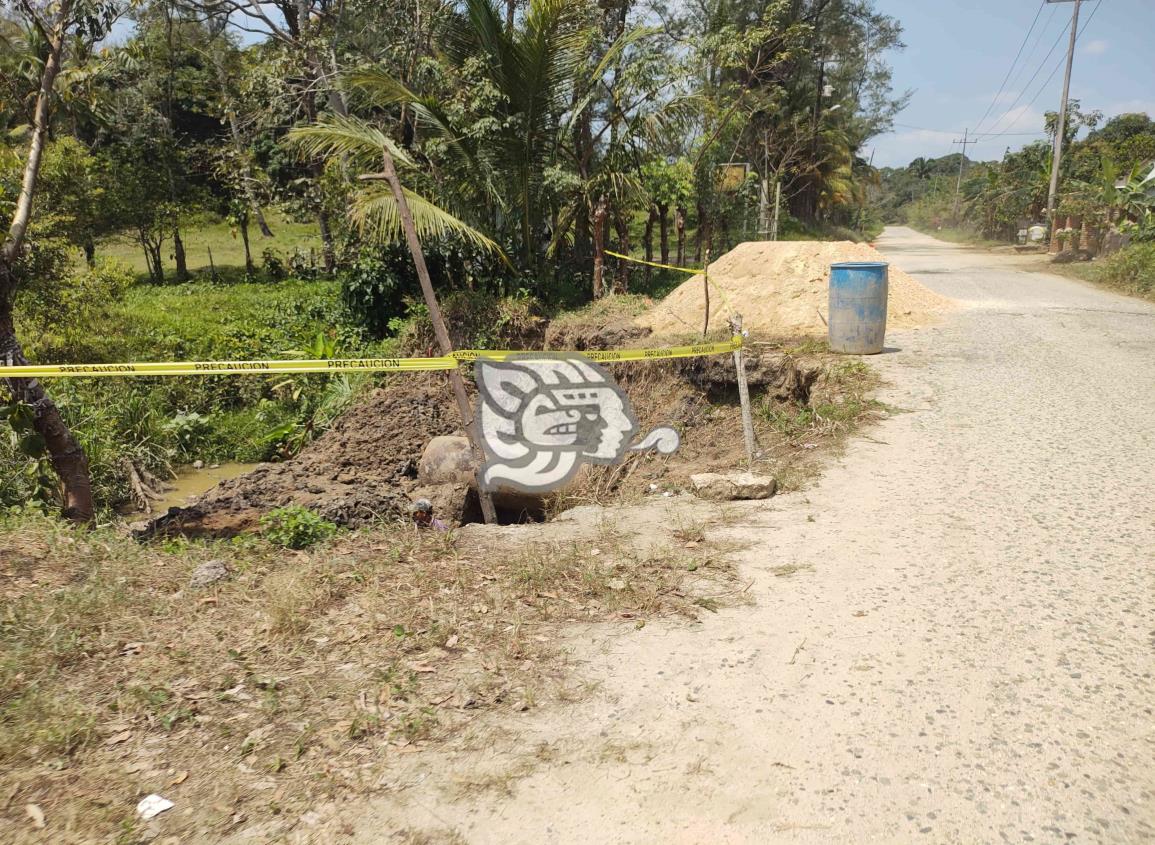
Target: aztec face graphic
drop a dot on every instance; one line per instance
(541, 418)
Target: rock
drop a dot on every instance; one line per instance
(446, 460)
(198, 465)
(208, 573)
(1070, 256)
(737, 485)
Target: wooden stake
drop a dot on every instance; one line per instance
(743, 392)
(706, 290)
(488, 512)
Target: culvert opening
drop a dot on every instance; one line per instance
(510, 510)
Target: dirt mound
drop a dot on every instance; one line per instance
(780, 289)
(361, 470)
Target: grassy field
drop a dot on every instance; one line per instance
(226, 246)
(299, 676)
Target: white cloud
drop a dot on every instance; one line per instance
(1097, 47)
(1130, 107)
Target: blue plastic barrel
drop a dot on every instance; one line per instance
(856, 322)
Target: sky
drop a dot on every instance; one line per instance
(959, 52)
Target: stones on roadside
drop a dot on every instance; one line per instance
(728, 487)
(207, 573)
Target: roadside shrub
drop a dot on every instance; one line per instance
(295, 527)
(1131, 270)
(379, 280)
(273, 266)
(475, 321)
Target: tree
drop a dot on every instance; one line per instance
(56, 23)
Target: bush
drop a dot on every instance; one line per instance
(1131, 270)
(474, 321)
(295, 527)
(380, 280)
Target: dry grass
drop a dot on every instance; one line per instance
(297, 679)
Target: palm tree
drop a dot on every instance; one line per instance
(534, 69)
(373, 210)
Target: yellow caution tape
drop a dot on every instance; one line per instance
(725, 299)
(612, 355)
(654, 263)
(337, 365)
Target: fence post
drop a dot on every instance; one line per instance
(706, 290)
(743, 392)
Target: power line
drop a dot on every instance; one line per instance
(1035, 76)
(1011, 69)
(1044, 33)
(1047, 81)
(947, 131)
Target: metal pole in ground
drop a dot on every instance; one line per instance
(743, 392)
(488, 512)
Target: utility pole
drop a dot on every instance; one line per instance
(1061, 128)
(962, 163)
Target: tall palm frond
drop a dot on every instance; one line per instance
(374, 212)
(383, 89)
(349, 138)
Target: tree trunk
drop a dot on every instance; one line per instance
(179, 256)
(680, 228)
(250, 270)
(328, 253)
(68, 459)
(600, 212)
(663, 210)
(699, 232)
(622, 225)
(582, 236)
(157, 264)
(649, 242)
(266, 232)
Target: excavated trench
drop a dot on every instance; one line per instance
(366, 467)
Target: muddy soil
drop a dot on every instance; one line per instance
(364, 469)
(361, 470)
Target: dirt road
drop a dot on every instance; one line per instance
(965, 654)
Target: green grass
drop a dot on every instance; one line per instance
(1131, 271)
(158, 423)
(201, 320)
(227, 249)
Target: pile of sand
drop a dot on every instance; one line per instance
(780, 289)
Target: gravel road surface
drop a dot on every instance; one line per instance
(964, 654)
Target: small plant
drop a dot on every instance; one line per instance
(190, 430)
(273, 266)
(295, 527)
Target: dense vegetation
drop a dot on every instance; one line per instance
(530, 137)
(1104, 181)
